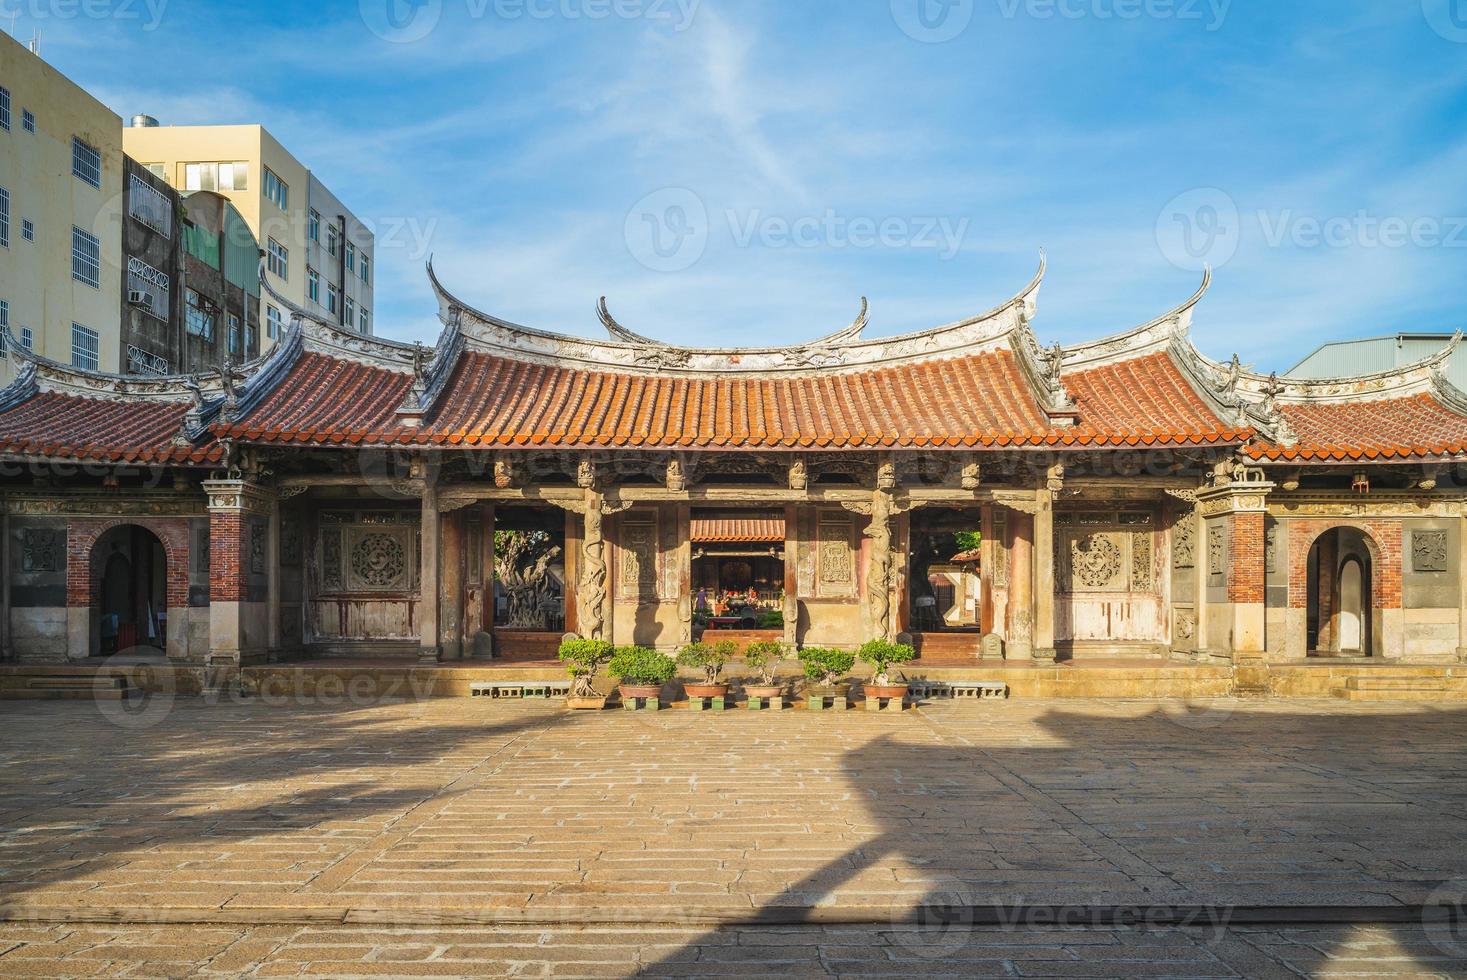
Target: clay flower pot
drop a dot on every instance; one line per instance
(649, 691)
(895, 692)
(764, 690)
(597, 703)
(706, 690)
(829, 690)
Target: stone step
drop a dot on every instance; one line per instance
(1422, 694)
(1424, 683)
(64, 694)
(74, 682)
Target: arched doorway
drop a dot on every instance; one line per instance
(131, 567)
(1342, 613)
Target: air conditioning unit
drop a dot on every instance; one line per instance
(136, 297)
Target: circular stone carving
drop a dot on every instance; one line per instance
(1095, 561)
(378, 560)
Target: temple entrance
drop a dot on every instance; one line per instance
(945, 594)
(529, 582)
(738, 571)
(1341, 611)
(132, 591)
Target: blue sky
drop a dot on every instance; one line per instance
(742, 172)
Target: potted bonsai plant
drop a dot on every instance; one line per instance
(582, 659)
(710, 658)
(642, 672)
(826, 667)
(882, 654)
(765, 657)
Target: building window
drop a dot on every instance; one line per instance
(140, 361)
(27, 339)
(351, 257)
(4, 108)
(277, 190)
(366, 274)
(231, 176)
(157, 170)
(313, 225)
(28, 229)
(86, 162)
(147, 288)
(4, 218)
(351, 312)
(278, 259)
(150, 206)
(28, 120)
(251, 339)
(331, 237)
(198, 319)
(313, 285)
(363, 322)
(86, 258)
(233, 334)
(331, 297)
(84, 347)
(272, 322)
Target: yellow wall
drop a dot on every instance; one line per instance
(176, 146)
(35, 277)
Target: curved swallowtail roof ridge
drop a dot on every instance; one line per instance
(632, 352)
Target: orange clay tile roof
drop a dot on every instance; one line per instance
(980, 399)
(328, 401)
(1383, 429)
(721, 530)
(67, 426)
(1145, 399)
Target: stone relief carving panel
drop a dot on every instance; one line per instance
(378, 561)
(637, 578)
(258, 533)
(1217, 551)
(1184, 542)
(1429, 551)
(41, 550)
(836, 562)
(331, 578)
(1095, 563)
(290, 541)
(1142, 579)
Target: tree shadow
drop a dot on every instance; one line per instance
(1209, 840)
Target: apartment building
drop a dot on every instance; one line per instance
(318, 254)
(61, 205)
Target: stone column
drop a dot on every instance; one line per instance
(987, 565)
(574, 529)
(429, 642)
(1240, 508)
(1021, 588)
(486, 572)
(272, 595)
(239, 517)
(791, 575)
(7, 648)
(1329, 563)
(683, 514)
(1462, 587)
(591, 609)
(451, 585)
(1043, 585)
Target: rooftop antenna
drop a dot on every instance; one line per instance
(35, 43)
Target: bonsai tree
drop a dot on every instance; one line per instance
(710, 658)
(641, 666)
(881, 654)
(582, 659)
(825, 666)
(764, 657)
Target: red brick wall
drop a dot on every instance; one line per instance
(227, 555)
(83, 567)
(1383, 538)
(1245, 558)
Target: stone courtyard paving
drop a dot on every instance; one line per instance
(465, 837)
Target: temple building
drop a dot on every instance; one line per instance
(995, 499)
